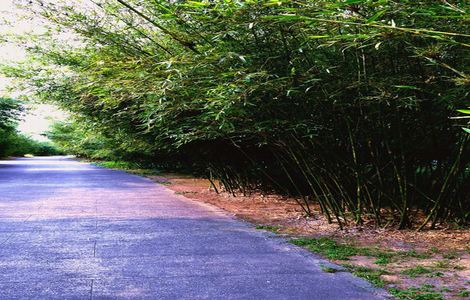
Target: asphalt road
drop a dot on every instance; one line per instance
(70, 230)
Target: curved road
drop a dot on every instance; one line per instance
(70, 230)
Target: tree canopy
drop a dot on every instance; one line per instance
(343, 102)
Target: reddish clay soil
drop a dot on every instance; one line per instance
(449, 249)
(286, 213)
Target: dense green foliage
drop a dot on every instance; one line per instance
(13, 143)
(17, 144)
(341, 102)
(73, 138)
(10, 112)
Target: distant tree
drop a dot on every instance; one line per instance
(10, 112)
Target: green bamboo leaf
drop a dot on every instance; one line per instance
(286, 17)
(349, 2)
(341, 37)
(196, 4)
(464, 111)
(411, 87)
(467, 130)
(376, 16)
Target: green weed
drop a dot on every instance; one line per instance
(334, 250)
(442, 264)
(384, 258)
(122, 165)
(130, 167)
(425, 292)
(464, 293)
(272, 228)
(371, 274)
(436, 274)
(328, 247)
(450, 255)
(414, 254)
(416, 271)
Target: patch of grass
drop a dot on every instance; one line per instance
(424, 292)
(442, 264)
(436, 274)
(122, 165)
(463, 293)
(414, 254)
(450, 255)
(272, 228)
(371, 274)
(416, 271)
(145, 172)
(131, 167)
(434, 250)
(328, 247)
(383, 260)
(341, 251)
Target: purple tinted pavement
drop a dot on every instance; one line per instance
(70, 230)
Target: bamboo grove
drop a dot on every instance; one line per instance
(345, 104)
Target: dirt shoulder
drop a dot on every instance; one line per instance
(412, 265)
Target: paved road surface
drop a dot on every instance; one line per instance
(69, 230)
